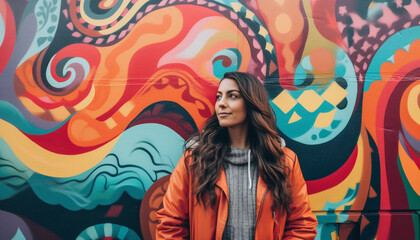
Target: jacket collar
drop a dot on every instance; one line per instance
(261, 186)
(222, 183)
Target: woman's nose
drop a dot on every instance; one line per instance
(222, 102)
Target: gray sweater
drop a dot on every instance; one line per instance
(242, 184)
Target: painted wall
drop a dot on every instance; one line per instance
(97, 97)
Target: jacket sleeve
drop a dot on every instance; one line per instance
(301, 222)
(173, 218)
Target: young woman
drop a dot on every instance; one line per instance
(236, 180)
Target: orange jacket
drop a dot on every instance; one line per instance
(182, 218)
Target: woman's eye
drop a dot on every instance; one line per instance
(218, 97)
(233, 96)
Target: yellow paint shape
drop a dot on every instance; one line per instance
(263, 31)
(31, 106)
(413, 104)
(107, 3)
(249, 14)
(110, 123)
(283, 23)
(48, 163)
(412, 172)
(236, 6)
(284, 101)
(181, 82)
(60, 114)
(127, 108)
(324, 119)
(334, 94)
(310, 100)
(165, 80)
(294, 118)
(269, 47)
(87, 100)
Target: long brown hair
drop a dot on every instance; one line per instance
(208, 153)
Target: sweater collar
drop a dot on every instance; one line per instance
(237, 156)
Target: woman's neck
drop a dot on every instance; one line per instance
(238, 137)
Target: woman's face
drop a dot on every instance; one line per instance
(230, 106)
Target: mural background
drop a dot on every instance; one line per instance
(97, 98)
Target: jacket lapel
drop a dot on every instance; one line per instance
(261, 191)
(222, 183)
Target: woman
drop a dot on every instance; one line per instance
(236, 180)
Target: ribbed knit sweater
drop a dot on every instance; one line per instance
(242, 199)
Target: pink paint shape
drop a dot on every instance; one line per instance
(76, 34)
(87, 40)
(122, 34)
(70, 26)
(131, 26)
(260, 56)
(413, 9)
(66, 13)
(114, 211)
(352, 50)
(373, 31)
(124, 12)
(255, 44)
(264, 69)
(162, 3)
(242, 23)
(251, 33)
(358, 22)
(342, 10)
(201, 2)
(365, 46)
(114, 23)
(99, 41)
(407, 25)
(388, 17)
(382, 38)
(111, 38)
(139, 15)
(150, 8)
(356, 37)
(233, 16)
(341, 26)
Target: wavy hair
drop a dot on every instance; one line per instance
(212, 145)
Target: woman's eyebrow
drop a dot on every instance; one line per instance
(229, 91)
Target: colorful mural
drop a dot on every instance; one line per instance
(97, 98)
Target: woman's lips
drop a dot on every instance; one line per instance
(223, 114)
